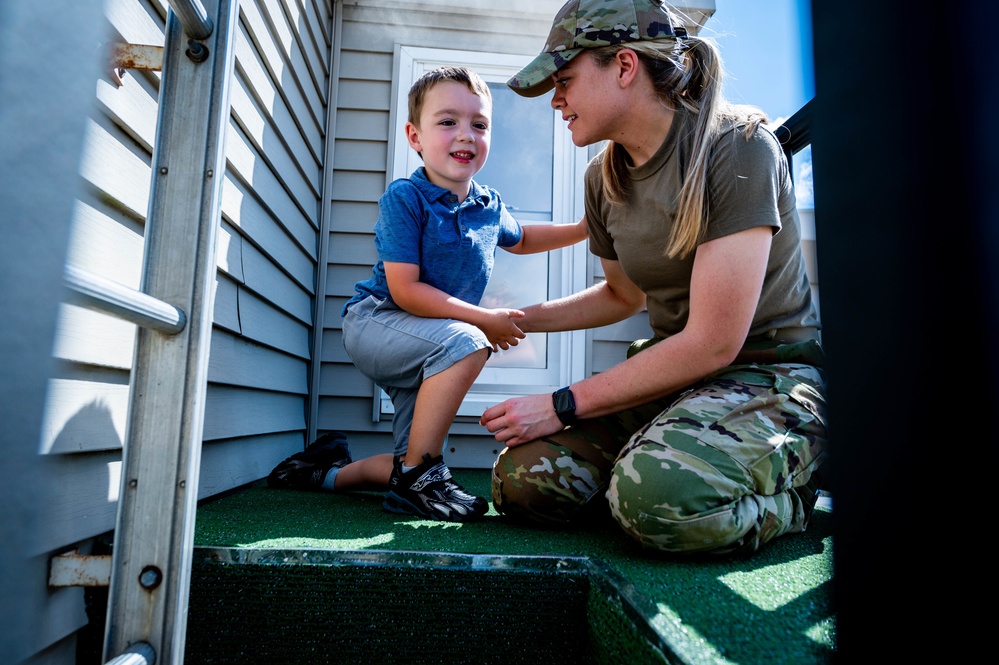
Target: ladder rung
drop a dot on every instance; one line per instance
(140, 653)
(193, 17)
(96, 292)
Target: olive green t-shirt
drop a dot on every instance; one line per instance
(749, 185)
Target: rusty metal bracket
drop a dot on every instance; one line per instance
(133, 56)
(75, 569)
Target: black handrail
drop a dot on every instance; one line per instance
(796, 132)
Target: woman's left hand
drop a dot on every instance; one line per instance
(521, 419)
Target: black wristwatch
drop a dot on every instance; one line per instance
(565, 405)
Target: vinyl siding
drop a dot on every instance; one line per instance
(256, 404)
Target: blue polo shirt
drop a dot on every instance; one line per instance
(454, 242)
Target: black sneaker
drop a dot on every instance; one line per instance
(429, 491)
(307, 470)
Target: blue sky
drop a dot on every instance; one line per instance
(766, 47)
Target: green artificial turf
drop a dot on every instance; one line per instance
(774, 607)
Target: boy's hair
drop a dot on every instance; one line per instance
(464, 75)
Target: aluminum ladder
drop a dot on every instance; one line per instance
(154, 534)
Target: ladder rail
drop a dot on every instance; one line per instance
(154, 532)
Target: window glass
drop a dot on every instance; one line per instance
(521, 155)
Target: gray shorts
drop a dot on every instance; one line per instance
(398, 350)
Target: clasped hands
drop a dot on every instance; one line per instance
(501, 328)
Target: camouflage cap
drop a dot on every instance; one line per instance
(582, 24)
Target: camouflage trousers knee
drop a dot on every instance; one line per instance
(725, 467)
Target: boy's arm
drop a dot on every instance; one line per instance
(421, 299)
(544, 237)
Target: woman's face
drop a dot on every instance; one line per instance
(589, 98)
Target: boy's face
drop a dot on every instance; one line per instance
(453, 136)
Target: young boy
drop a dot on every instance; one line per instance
(415, 327)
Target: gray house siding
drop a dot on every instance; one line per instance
(267, 249)
(259, 370)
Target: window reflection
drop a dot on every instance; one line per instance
(519, 167)
(521, 155)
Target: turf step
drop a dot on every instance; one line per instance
(317, 606)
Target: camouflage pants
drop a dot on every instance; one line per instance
(722, 468)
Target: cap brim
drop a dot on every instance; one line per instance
(536, 78)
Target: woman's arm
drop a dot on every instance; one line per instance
(544, 237)
(725, 287)
(610, 301)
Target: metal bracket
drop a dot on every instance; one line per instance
(133, 56)
(75, 569)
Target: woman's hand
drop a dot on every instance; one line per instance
(521, 419)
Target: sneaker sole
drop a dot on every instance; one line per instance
(394, 503)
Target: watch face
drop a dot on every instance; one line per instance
(565, 405)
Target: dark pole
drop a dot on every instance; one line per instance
(905, 153)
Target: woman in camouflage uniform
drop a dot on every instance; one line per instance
(708, 437)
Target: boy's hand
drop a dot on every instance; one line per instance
(501, 329)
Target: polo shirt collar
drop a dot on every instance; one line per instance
(432, 192)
